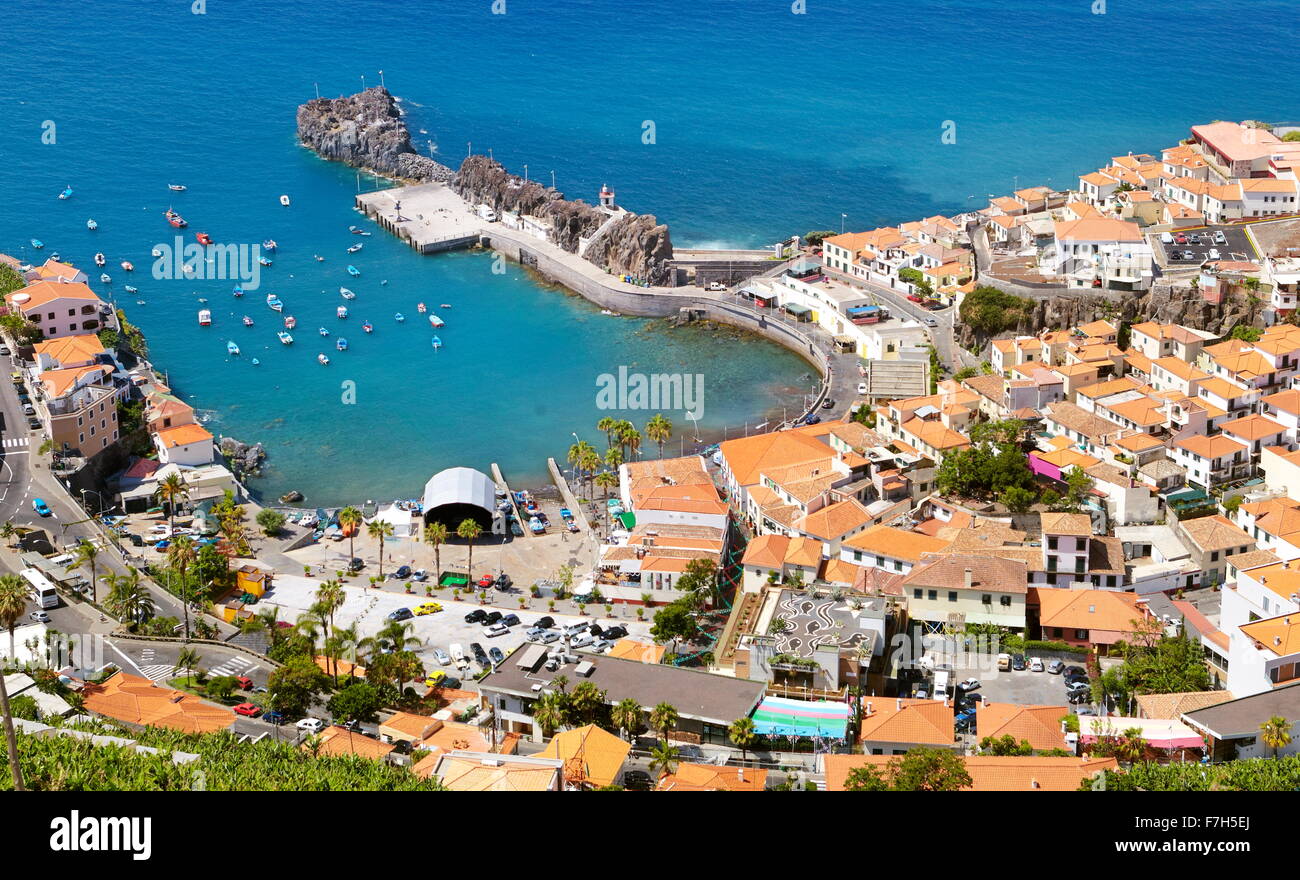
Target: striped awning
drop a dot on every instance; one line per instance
(779, 716)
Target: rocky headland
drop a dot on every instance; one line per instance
(366, 131)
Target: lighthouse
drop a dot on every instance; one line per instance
(606, 196)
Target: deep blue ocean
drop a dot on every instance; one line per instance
(765, 123)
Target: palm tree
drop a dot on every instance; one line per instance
(187, 659)
(1131, 746)
(344, 642)
(379, 530)
(630, 438)
(589, 463)
(1276, 733)
(350, 519)
(172, 492)
(435, 534)
(330, 597)
(180, 553)
(607, 426)
(580, 455)
(607, 480)
(13, 599)
(626, 715)
(469, 530)
(85, 555)
(664, 718)
(398, 635)
(742, 734)
(128, 599)
(659, 429)
(663, 759)
(8, 530)
(548, 712)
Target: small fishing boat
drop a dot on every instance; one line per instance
(341, 311)
(156, 252)
(421, 308)
(368, 327)
(66, 194)
(203, 299)
(355, 230)
(341, 344)
(324, 361)
(37, 243)
(55, 256)
(175, 219)
(284, 200)
(203, 238)
(290, 322)
(231, 348)
(399, 317)
(248, 322)
(92, 225)
(353, 271)
(127, 266)
(140, 302)
(100, 260)
(238, 291)
(264, 261)
(323, 332)
(105, 278)
(384, 283)
(205, 317)
(285, 338)
(130, 288)
(435, 321)
(256, 362)
(356, 247)
(346, 293)
(176, 187)
(445, 306)
(274, 303)
(319, 258)
(269, 244)
(437, 343)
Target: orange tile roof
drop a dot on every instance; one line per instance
(43, 292)
(137, 700)
(1280, 635)
(1077, 524)
(58, 383)
(935, 434)
(1252, 427)
(835, 520)
(711, 777)
(1106, 610)
(990, 773)
(473, 772)
(1040, 726)
(1098, 229)
(1215, 532)
(71, 350)
(1214, 447)
(635, 649)
(748, 457)
(919, 722)
(895, 543)
(338, 741)
(593, 755)
(183, 435)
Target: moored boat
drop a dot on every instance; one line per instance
(421, 308)
(274, 303)
(92, 225)
(341, 344)
(356, 247)
(347, 294)
(248, 322)
(445, 306)
(269, 244)
(176, 187)
(37, 243)
(290, 322)
(323, 332)
(175, 219)
(368, 327)
(284, 200)
(323, 360)
(264, 261)
(435, 321)
(341, 311)
(231, 348)
(203, 238)
(354, 271)
(128, 266)
(66, 194)
(100, 260)
(399, 317)
(205, 317)
(285, 337)
(238, 291)
(130, 288)
(105, 278)
(437, 343)
(155, 253)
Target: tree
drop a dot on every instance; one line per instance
(1131, 746)
(1155, 663)
(580, 456)
(8, 531)
(585, 703)
(469, 530)
(549, 712)
(380, 530)
(664, 718)
(359, 701)
(294, 686)
(923, 769)
(629, 439)
(1018, 499)
(815, 237)
(435, 534)
(13, 599)
(674, 621)
(965, 373)
(1276, 733)
(188, 659)
(1005, 746)
(664, 758)
(85, 554)
(627, 717)
(1078, 486)
(1246, 333)
(172, 492)
(350, 520)
(606, 426)
(128, 598)
(180, 553)
(221, 687)
(659, 429)
(990, 311)
(607, 480)
(742, 734)
(866, 778)
(271, 521)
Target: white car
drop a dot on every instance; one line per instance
(39, 617)
(496, 629)
(582, 640)
(310, 725)
(862, 388)
(970, 684)
(1036, 664)
(443, 658)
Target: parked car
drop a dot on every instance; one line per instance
(617, 631)
(1004, 662)
(637, 780)
(582, 640)
(478, 615)
(600, 646)
(1018, 662)
(1036, 664)
(485, 581)
(548, 636)
(479, 654)
(435, 678)
(495, 654)
(41, 508)
(1055, 667)
(273, 717)
(39, 617)
(574, 628)
(496, 629)
(510, 620)
(931, 322)
(34, 423)
(310, 725)
(441, 656)
(1074, 670)
(428, 608)
(403, 572)
(493, 617)
(400, 614)
(828, 403)
(544, 622)
(419, 575)
(1080, 698)
(1219, 238)
(970, 684)
(244, 682)
(248, 710)
(503, 581)
(862, 389)
(356, 564)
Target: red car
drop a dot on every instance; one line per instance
(248, 709)
(486, 581)
(245, 682)
(914, 298)
(1180, 238)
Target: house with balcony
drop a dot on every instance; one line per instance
(1212, 541)
(955, 589)
(1092, 619)
(58, 308)
(1102, 252)
(1211, 461)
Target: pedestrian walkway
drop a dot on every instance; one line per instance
(14, 442)
(158, 671)
(234, 666)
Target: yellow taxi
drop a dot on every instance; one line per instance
(435, 678)
(428, 608)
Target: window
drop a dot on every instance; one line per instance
(1006, 601)
(952, 595)
(987, 599)
(1081, 634)
(857, 555)
(1051, 543)
(1214, 557)
(933, 595)
(916, 593)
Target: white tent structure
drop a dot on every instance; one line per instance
(400, 519)
(458, 494)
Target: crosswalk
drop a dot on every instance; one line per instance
(159, 671)
(234, 666)
(14, 442)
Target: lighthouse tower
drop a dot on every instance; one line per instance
(606, 197)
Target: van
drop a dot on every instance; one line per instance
(1166, 238)
(1213, 254)
(1004, 662)
(457, 653)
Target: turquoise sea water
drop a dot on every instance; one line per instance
(765, 124)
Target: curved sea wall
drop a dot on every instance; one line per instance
(366, 131)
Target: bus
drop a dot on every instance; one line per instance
(43, 592)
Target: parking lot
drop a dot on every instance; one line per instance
(1023, 688)
(1205, 243)
(369, 610)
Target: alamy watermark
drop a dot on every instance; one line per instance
(211, 262)
(662, 392)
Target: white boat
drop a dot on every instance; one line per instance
(323, 360)
(205, 317)
(319, 258)
(437, 343)
(269, 244)
(231, 348)
(323, 332)
(284, 200)
(274, 303)
(127, 266)
(176, 187)
(155, 253)
(248, 322)
(130, 289)
(105, 278)
(290, 322)
(285, 337)
(92, 225)
(100, 259)
(341, 344)
(341, 311)
(420, 307)
(356, 247)
(347, 294)
(435, 321)
(399, 317)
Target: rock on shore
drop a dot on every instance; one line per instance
(635, 243)
(366, 131)
(245, 460)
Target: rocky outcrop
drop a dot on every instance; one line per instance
(245, 460)
(1163, 303)
(366, 131)
(634, 244)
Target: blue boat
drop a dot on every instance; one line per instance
(264, 261)
(399, 317)
(130, 288)
(238, 291)
(92, 225)
(66, 194)
(341, 344)
(274, 303)
(231, 348)
(324, 332)
(37, 243)
(437, 343)
(353, 271)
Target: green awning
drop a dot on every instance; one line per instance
(796, 309)
(628, 520)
